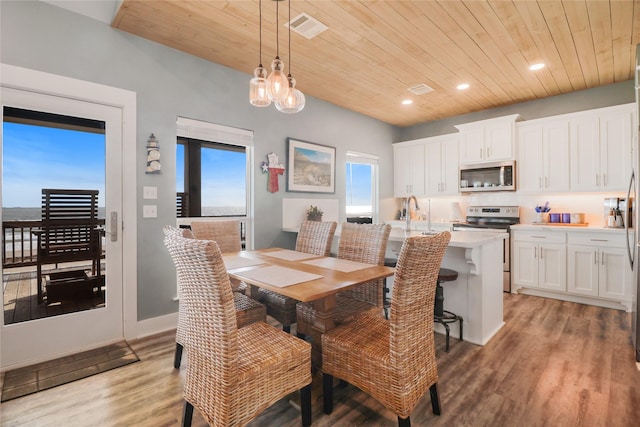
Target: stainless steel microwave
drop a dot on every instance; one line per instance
(484, 177)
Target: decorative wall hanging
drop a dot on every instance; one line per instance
(312, 167)
(273, 168)
(153, 155)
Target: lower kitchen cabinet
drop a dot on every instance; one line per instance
(580, 266)
(598, 266)
(539, 261)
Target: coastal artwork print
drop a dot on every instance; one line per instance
(311, 167)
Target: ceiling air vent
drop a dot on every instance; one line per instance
(420, 89)
(306, 25)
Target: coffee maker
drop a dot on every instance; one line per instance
(617, 212)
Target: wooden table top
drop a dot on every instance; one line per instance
(331, 282)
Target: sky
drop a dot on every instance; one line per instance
(36, 157)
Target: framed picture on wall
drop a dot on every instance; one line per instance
(311, 167)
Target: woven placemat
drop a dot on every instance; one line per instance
(42, 376)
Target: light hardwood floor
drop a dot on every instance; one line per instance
(554, 363)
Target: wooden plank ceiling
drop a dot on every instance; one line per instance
(374, 51)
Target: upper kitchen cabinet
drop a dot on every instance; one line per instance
(441, 160)
(543, 156)
(487, 140)
(409, 168)
(601, 149)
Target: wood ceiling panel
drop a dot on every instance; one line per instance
(374, 50)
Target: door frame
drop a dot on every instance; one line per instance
(50, 84)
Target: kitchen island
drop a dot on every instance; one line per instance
(477, 294)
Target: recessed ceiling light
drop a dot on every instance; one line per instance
(407, 102)
(462, 86)
(536, 67)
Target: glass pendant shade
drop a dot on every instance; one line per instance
(293, 101)
(258, 96)
(277, 81)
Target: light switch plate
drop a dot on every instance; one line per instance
(150, 193)
(149, 211)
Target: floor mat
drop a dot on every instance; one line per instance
(32, 379)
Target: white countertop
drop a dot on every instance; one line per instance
(459, 239)
(572, 228)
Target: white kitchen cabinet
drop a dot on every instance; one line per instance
(441, 160)
(543, 156)
(487, 140)
(409, 168)
(598, 266)
(601, 149)
(539, 261)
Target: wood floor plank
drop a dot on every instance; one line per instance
(553, 363)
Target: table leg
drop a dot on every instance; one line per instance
(323, 322)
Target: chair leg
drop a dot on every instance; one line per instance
(301, 335)
(460, 319)
(286, 328)
(178, 356)
(404, 422)
(187, 415)
(435, 399)
(446, 327)
(305, 405)
(327, 393)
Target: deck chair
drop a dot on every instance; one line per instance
(70, 232)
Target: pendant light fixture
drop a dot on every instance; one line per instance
(258, 96)
(277, 82)
(293, 100)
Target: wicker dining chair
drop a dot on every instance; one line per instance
(233, 374)
(358, 242)
(393, 360)
(248, 310)
(227, 235)
(314, 237)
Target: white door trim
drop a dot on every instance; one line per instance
(51, 84)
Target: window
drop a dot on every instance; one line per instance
(362, 188)
(213, 178)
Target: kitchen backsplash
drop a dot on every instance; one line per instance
(590, 204)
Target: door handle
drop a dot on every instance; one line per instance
(113, 226)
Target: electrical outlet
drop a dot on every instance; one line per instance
(149, 211)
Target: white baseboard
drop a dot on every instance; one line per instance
(156, 325)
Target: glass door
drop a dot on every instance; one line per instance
(59, 143)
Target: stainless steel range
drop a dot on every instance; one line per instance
(496, 219)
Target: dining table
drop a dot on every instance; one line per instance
(303, 277)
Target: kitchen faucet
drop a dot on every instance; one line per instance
(407, 203)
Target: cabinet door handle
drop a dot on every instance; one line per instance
(539, 237)
(599, 240)
(488, 152)
(597, 180)
(595, 258)
(604, 179)
(602, 258)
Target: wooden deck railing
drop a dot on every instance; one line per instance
(19, 242)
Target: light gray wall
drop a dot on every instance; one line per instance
(168, 84)
(604, 96)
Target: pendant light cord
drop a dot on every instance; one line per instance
(277, 29)
(260, 34)
(289, 37)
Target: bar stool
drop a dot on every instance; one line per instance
(440, 315)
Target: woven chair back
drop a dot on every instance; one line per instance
(207, 299)
(316, 237)
(411, 319)
(364, 242)
(225, 233)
